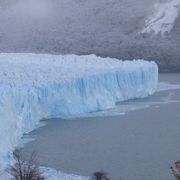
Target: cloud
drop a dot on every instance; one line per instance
(28, 9)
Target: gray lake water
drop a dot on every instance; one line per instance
(139, 143)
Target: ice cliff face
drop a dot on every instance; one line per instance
(33, 87)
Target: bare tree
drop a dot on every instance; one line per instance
(25, 170)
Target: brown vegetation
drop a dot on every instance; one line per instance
(100, 175)
(25, 170)
(175, 170)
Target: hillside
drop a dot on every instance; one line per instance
(115, 28)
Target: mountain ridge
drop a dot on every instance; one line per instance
(109, 29)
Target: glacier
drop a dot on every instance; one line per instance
(37, 86)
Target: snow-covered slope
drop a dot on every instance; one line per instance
(163, 18)
(33, 87)
(112, 28)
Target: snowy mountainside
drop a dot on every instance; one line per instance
(105, 28)
(163, 18)
(33, 87)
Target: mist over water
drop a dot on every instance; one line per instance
(106, 28)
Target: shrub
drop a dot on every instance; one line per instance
(25, 170)
(175, 170)
(100, 175)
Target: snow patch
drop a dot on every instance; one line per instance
(51, 174)
(163, 17)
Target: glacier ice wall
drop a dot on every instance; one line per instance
(33, 87)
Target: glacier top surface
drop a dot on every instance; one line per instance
(28, 69)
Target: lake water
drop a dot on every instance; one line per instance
(137, 140)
